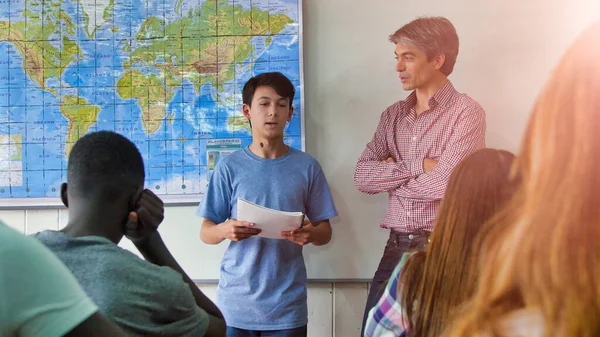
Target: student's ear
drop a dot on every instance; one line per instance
(291, 113)
(63, 195)
(246, 111)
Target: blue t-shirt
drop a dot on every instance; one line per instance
(262, 283)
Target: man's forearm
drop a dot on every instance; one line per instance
(431, 186)
(155, 251)
(374, 177)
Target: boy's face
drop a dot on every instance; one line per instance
(268, 113)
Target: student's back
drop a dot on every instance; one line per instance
(106, 201)
(39, 296)
(141, 297)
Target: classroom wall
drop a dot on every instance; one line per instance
(507, 50)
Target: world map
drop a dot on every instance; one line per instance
(167, 74)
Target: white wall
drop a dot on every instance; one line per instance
(507, 50)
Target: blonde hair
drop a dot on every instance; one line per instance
(434, 36)
(543, 253)
(443, 277)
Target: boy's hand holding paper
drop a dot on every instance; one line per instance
(301, 236)
(235, 230)
(271, 222)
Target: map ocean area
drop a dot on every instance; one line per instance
(166, 74)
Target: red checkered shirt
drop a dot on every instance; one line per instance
(452, 128)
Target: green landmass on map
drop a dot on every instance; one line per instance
(90, 9)
(203, 47)
(237, 123)
(42, 60)
(17, 142)
(151, 93)
(80, 114)
(188, 48)
(108, 11)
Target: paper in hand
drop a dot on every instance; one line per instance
(271, 222)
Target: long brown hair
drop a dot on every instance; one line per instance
(544, 252)
(442, 278)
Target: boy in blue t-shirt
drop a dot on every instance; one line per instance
(262, 286)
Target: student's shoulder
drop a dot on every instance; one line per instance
(120, 261)
(304, 164)
(303, 159)
(82, 247)
(126, 261)
(232, 160)
(48, 237)
(43, 295)
(17, 244)
(115, 259)
(8, 235)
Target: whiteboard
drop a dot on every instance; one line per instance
(507, 51)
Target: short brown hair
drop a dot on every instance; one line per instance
(433, 35)
(276, 80)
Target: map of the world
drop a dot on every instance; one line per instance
(167, 74)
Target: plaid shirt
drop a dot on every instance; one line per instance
(387, 318)
(452, 128)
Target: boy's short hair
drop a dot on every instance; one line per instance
(276, 80)
(106, 165)
(434, 36)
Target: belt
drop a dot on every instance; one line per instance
(413, 235)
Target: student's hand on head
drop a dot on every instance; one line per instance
(301, 236)
(429, 165)
(237, 230)
(146, 218)
(390, 160)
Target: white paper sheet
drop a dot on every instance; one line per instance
(270, 221)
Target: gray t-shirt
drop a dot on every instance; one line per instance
(142, 298)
